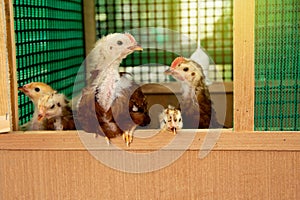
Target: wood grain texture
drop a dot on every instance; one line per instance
(11, 48)
(152, 140)
(220, 175)
(3, 63)
(243, 47)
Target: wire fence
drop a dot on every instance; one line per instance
(49, 46)
(168, 28)
(277, 65)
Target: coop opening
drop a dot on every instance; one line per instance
(54, 38)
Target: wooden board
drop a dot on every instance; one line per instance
(243, 47)
(152, 140)
(58, 175)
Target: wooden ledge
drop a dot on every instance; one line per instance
(162, 88)
(152, 140)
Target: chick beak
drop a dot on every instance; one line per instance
(40, 117)
(136, 47)
(41, 114)
(168, 71)
(22, 89)
(173, 129)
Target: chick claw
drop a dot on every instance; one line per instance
(107, 141)
(127, 137)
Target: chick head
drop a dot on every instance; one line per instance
(117, 46)
(51, 106)
(186, 70)
(36, 90)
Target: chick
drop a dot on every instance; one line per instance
(196, 104)
(171, 120)
(35, 91)
(112, 104)
(54, 107)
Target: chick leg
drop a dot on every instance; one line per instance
(128, 135)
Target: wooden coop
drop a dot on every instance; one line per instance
(254, 49)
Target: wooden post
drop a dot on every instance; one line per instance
(12, 69)
(89, 24)
(89, 28)
(3, 63)
(243, 46)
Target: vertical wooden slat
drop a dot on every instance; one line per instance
(244, 14)
(3, 63)
(11, 49)
(89, 24)
(89, 28)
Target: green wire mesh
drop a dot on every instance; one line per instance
(49, 46)
(277, 65)
(179, 16)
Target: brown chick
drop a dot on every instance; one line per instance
(196, 104)
(54, 107)
(111, 104)
(35, 91)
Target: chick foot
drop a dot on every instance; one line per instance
(128, 135)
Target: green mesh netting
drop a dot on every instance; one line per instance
(216, 22)
(277, 65)
(49, 46)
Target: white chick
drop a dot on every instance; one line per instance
(111, 104)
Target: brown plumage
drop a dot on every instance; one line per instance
(126, 111)
(54, 107)
(111, 104)
(196, 104)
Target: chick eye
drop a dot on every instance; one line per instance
(186, 69)
(37, 89)
(119, 42)
(52, 106)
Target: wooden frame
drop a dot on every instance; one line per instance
(244, 164)
(243, 58)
